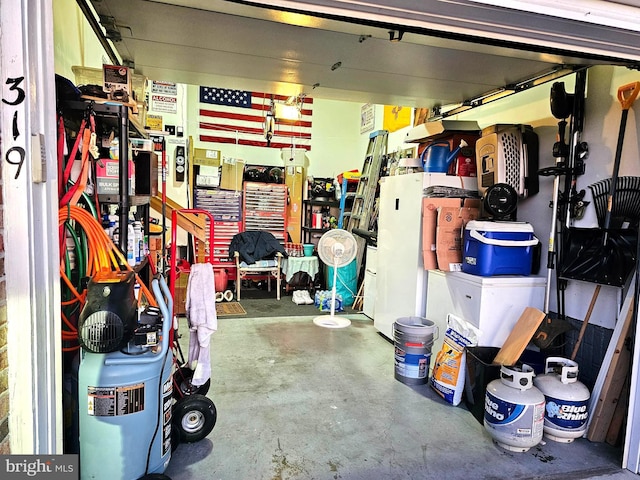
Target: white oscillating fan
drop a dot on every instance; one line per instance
(337, 248)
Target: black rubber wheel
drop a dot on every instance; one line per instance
(194, 417)
(182, 386)
(175, 438)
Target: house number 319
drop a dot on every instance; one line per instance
(16, 154)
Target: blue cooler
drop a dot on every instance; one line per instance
(498, 248)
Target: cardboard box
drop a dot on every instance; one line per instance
(155, 243)
(181, 294)
(449, 234)
(206, 157)
(231, 174)
(108, 177)
(431, 130)
(94, 76)
(208, 180)
(429, 224)
(116, 78)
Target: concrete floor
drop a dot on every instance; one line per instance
(297, 401)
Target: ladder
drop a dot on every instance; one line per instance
(344, 197)
(360, 215)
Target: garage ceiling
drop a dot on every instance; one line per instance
(245, 46)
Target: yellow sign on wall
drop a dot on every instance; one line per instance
(396, 117)
(154, 122)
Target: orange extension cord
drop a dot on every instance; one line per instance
(102, 255)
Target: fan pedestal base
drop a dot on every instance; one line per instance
(329, 321)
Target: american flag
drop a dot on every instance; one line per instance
(238, 116)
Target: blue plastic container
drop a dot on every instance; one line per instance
(498, 248)
(437, 157)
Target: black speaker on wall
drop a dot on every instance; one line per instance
(181, 163)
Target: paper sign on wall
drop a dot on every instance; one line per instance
(116, 78)
(164, 103)
(164, 88)
(154, 122)
(396, 117)
(367, 118)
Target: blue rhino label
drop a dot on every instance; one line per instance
(501, 412)
(514, 419)
(566, 414)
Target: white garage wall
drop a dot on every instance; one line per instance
(75, 43)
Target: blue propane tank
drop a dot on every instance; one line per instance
(514, 409)
(125, 402)
(567, 400)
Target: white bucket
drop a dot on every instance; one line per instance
(413, 337)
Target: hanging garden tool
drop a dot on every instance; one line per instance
(606, 255)
(561, 108)
(569, 164)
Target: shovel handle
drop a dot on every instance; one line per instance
(627, 94)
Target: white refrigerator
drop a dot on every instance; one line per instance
(401, 280)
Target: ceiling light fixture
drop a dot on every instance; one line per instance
(395, 35)
(292, 107)
(287, 112)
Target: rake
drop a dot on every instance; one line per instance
(607, 255)
(625, 208)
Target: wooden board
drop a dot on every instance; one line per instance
(520, 336)
(615, 434)
(191, 223)
(604, 409)
(627, 305)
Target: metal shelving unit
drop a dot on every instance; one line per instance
(311, 234)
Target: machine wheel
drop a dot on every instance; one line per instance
(175, 438)
(182, 384)
(194, 417)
